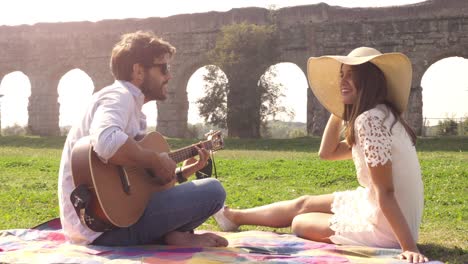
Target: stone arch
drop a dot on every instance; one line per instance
(421, 61)
(193, 95)
(45, 49)
(295, 87)
(150, 110)
(454, 51)
(98, 70)
(175, 109)
(43, 105)
(74, 92)
(445, 81)
(15, 90)
(291, 119)
(459, 55)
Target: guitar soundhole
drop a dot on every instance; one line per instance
(150, 173)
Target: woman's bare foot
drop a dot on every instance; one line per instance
(176, 238)
(229, 213)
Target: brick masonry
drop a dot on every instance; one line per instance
(426, 32)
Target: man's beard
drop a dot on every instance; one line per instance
(148, 89)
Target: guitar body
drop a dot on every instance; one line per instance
(119, 194)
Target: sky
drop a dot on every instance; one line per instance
(446, 79)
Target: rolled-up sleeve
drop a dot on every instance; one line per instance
(108, 125)
(108, 142)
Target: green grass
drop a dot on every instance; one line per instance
(256, 172)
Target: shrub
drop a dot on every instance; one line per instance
(448, 127)
(15, 130)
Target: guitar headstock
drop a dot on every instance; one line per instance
(216, 139)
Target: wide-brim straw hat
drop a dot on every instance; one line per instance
(324, 76)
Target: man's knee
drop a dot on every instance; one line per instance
(213, 193)
(214, 188)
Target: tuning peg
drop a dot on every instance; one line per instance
(211, 132)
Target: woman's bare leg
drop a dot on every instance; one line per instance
(280, 214)
(313, 226)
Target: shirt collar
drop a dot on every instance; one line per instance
(135, 91)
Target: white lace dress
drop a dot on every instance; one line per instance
(357, 218)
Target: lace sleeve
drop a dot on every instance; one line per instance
(374, 138)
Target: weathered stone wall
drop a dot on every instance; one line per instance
(424, 40)
(426, 32)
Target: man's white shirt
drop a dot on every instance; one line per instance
(113, 115)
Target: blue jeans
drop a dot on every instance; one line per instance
(181, 208)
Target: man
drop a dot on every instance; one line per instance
(112, 121)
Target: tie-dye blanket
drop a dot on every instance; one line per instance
(46, 244)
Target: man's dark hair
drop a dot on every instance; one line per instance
(137, 48)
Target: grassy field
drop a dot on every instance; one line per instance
(256, 172)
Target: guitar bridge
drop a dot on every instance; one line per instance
(124, 180)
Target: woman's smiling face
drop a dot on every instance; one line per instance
(347, 85)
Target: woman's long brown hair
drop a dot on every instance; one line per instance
(371, 88)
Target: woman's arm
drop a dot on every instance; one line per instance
(382, 179)
(331, 148)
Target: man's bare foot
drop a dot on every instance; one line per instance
(176, 238)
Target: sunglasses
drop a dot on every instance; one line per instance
(165, 68)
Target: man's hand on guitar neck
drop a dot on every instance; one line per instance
(203, 156)
(192, 165)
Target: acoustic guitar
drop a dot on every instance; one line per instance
(119, 194)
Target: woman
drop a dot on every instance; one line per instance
(369, 91)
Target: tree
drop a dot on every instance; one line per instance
(212, 107)
(270, 93)
(244, 52)
(464, 126)
(448, 127)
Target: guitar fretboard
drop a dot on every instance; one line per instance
(188, 152)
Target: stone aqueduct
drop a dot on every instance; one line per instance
(426, 32)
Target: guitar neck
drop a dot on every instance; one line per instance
(188, 152)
